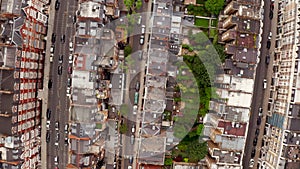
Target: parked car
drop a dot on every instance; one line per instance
(48, 136)
(74, 19)
(267, 59)
(51, 57)
(53, 38)
(50, 83)
(265, 83)
(255, 141)
(70, 70)
(48, 124)
(66, 141)
(137, 86)
(70, 58)
(142, 39)
(63, 39)
(143, 29)
(134, 109)
(270, 36)
(59, 70)
(130, 159)
(61, 59)
(56, 125)
(139, 20)
(52, 49)
(57, 137)
(271, 15)
(69, 83)
(57, 4)
(133, 129)
(66, 128)
(56, 160)
(253, 152)
(260, 110)
(257, 132)
(48, 114)
(268, 44)
(251, 163)
(258, 122)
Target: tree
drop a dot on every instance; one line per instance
(123, 128)
(168, 161)
(127, 50)
(214, 6)
(138, 4)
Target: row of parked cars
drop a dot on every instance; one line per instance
(257, 130)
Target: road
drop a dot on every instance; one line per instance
(58, 101)
(260, 95)
(136, 74)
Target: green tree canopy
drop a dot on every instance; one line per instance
(214, 6)
(123, 129)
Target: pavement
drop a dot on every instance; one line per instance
(135, 74)
(260, 95)
(58, 101)
(44, 93)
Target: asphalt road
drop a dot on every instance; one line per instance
(135, 75)
(58, 101)
(260, 95)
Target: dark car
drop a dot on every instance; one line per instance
(272, 6)
(63, 39)
(253, 153)
(137, 86)
(255, 141)
(48, 114)
(268, 44)
(61, 58)
(256, 132)
(59, 70)
(53, 38)
(69, 83)
(258, 120)
(57, 4)
(271, 15)
(47, 137)
(74, 19)
(267, 59)
(66, 141)
(50, 84)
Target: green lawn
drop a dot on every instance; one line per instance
(204, 23)
(212, 33)
(98, 126)
(214, 23)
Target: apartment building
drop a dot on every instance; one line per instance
(226, 124)
(23, 26)
(281, 143)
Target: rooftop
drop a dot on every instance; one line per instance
(232, 128)
(152, 150)
(241, 54)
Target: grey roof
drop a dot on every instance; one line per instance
(232, 68)
(152, 118)
(231, 143)
(228, 156)
(152, 150)
(11, 6)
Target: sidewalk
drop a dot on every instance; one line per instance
(45, 91)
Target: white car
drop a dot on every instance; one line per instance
(143, 29)
(142, 39)
(48, 124)
(265, 83)
(133, 129)
(70, 58)
(134, 109)
(251, 163)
